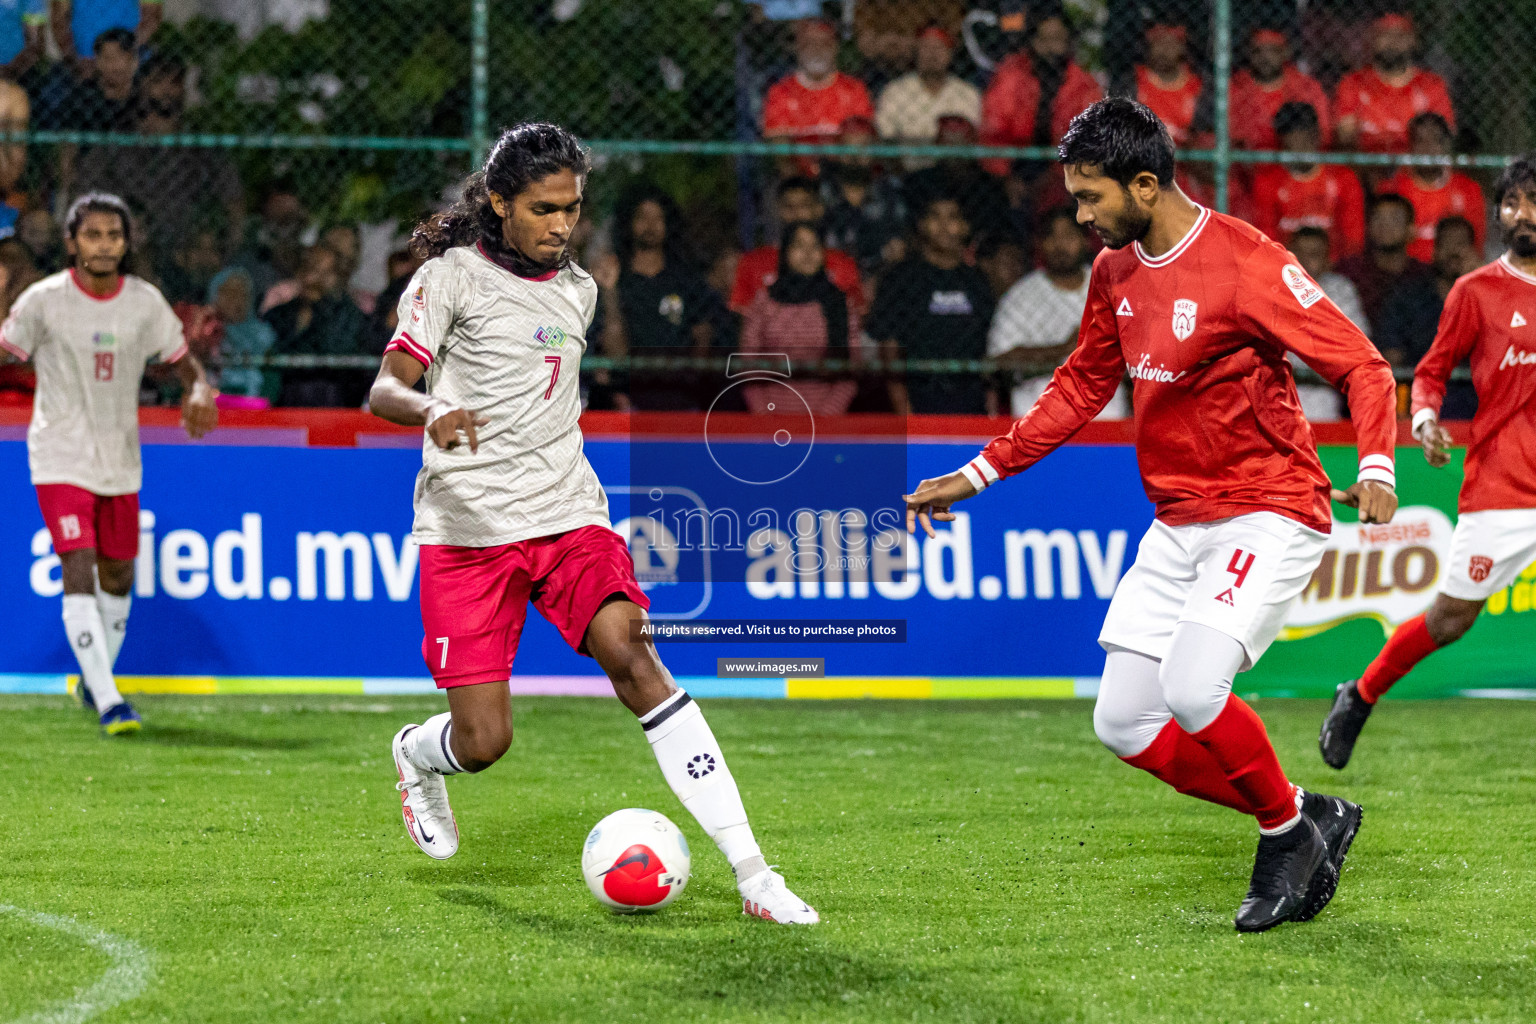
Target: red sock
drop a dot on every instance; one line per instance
(1175, 758)
(1408, 645)
(1239, 745)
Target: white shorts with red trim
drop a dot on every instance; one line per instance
(1488, 550)
(1238, 576)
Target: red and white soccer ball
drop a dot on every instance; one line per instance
(635, 860)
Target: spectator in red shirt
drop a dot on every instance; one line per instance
(1165, 82)
(798, 202)
(1436, 192)
(1372, 106)
(1289, 197)
(1269, 82)
(1036, 92)
(811, 103)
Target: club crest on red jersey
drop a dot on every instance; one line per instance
(1479, 568)
(1184, 318)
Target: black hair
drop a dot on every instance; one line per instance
(624, 222)
(1313, 231)
(793, 289)
(1519, 174)
(1391, 199)
(1455, 220)
(925, 203)
(1295, 116)
(123, 37)
(797, 183)
(1437, 121)
(99, 202)
(990, 243)
(1122, 138)
(524, 154)
(163, 65)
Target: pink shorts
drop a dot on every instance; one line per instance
(474, 601)
(78, 519)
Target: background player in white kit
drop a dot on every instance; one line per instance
(90, 330)
(1488, 317)
(508, 510)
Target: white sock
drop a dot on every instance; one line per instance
(427, 746)
(114, 615)
(694, 767)
(1301, 795)
(88, 639)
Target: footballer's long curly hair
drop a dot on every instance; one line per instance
(524, 154)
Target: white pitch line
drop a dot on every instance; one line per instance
(129, 975)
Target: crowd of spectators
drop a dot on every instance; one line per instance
(941, 256)
(963, 259)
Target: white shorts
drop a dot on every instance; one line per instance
(1238, 576)
(1488, 550)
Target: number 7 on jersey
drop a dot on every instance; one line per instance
(554, 375)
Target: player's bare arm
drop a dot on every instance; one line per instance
(931, 501)
(394, 397)
(199, 402)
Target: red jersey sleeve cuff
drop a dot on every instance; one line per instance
(13, 350)
(980, 473)
(175, 356)
(1379, 468)
(403, 342)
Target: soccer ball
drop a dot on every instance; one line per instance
(635, 860)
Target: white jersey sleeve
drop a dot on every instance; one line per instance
(23, 330)
(168, 339)
(427, 311)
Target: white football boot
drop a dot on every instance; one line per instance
(424, 805)
(766, 896)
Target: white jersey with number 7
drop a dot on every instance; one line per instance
(507, 348)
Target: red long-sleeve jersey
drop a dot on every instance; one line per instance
(1203, 331)
(1489, 315)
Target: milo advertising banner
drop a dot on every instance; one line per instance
(1373, 578)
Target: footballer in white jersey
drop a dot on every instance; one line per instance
(508, 511)
(89, 331)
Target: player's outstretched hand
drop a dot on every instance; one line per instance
(1376, 501)
(930, 502)
(1437, 443)
(446, 429)
(199, 410)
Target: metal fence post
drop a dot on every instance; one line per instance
(1223, 75)
(479, 55)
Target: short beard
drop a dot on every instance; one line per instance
(1133, 227)
(1521, 240)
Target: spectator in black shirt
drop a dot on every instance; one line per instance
(1385, 263)
(651, 297)
(1410, 315)
(935, 306)
(323, 320)
(866, 215)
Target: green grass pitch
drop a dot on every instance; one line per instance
(973, 861)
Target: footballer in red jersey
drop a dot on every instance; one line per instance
(1203, 310)
(1489, 318)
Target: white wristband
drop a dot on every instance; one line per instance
(1421, 419)
(437, 409)
(1378, 468)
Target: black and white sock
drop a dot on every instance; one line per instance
(427, 746)
(694, 767)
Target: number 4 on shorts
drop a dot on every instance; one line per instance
(1238, 566)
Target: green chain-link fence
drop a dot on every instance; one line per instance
(246, 132)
